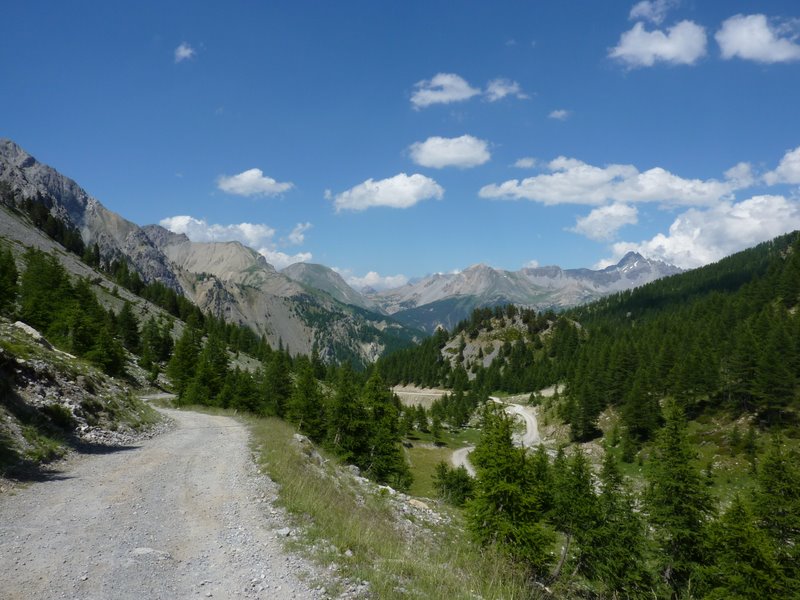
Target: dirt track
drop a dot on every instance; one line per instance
(528, 439)
(182, 516)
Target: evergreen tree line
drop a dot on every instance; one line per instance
(67, 313)
(536, 357)
(39, 210)
(721, 347)
(594, 536)
(354, 415)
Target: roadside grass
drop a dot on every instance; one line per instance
(426, 453)
(356, 527)
(423, 462)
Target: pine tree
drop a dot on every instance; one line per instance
(777, 504)
(43, 289)
(744, 563)
(616, 551)
(386, 460)
(348, 426)
(504, 510)
(209, 375)
(181, 367)
(306, 407)
(9, 287)
(128, 329)
(454, 486)
(677, 501)
(774, 382)
(576, 510)
(276, 385)
(108, 352)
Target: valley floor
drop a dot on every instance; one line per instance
(183, 515)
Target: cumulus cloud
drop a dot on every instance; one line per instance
(400, 191)
(572, 181)
(438, 152)
(252, 182)
(603, 223)
(442, 88)
(741, 175)
(184, 52)
(652, 10)
(682, 44)
(526, 162)
(281, 260)
(298, 234)
(498, 89)
(372, 279)
(788, 170)
(531, 264)
(752, 37)
(561, 114)
(445, 88)
(698, 237)
(200, 230)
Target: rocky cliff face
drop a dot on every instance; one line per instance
(115, 236)
(226, 279)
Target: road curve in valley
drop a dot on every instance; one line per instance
(460, 458)
(182, 515)
(529, 438)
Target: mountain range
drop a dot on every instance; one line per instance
(306, 306)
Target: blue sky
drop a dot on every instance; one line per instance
(392, 140)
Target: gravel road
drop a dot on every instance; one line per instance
(460, 458)
(528, 439)
(184, 515)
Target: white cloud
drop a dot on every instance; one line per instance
(652, 10)
(442, 88)
(281, 260)
(298, 234)
(526, 162)
(604, 222)
(561, 114)
(788, 170)
(698, 237)
(497, 89)
(254, 235)
(200, 230)
(438, 152)
(531, 264)
(572, 181)
(400, 191)
(751, 37)
(252, 182)
(184, 52)
(741, 175)
(372, 279)
(683, 44)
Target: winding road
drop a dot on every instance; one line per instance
(183, 515)
(529, 438)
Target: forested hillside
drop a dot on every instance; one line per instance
(721, 337)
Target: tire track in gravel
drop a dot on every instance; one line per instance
(180, 516)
